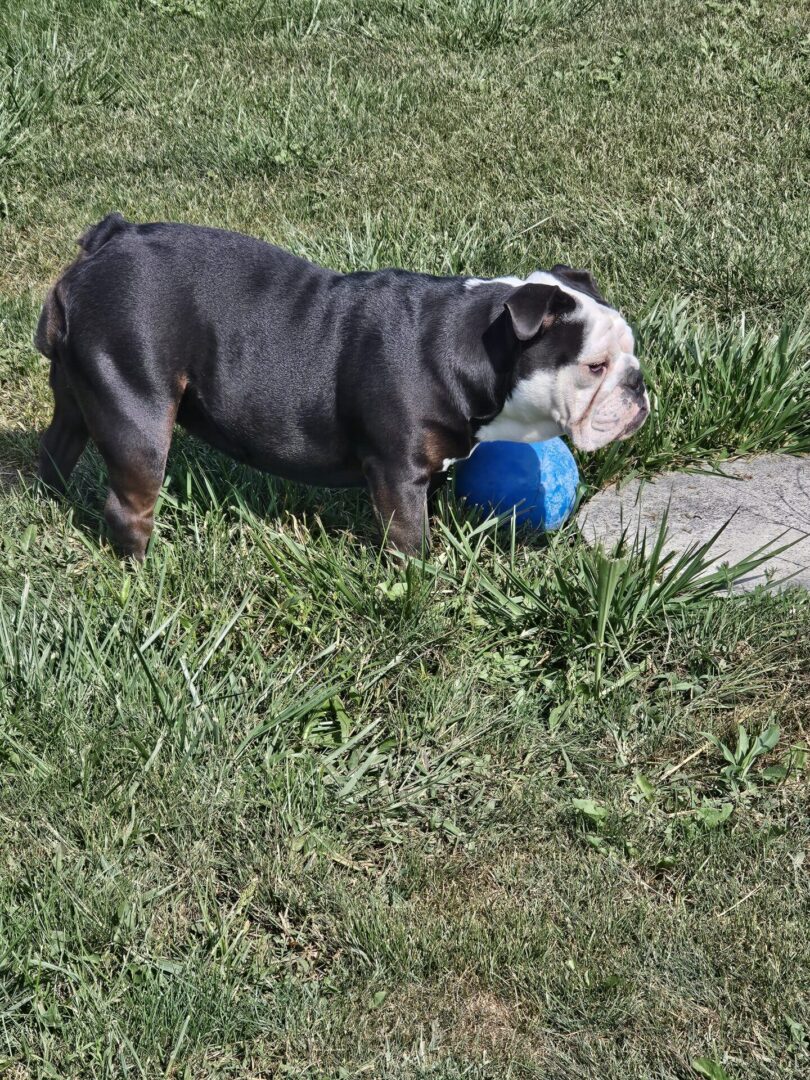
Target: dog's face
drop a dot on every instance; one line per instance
(576, 372)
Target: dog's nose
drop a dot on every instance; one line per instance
(634, 381)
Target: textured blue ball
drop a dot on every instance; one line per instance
(538, 480)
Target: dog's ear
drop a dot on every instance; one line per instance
(533, 308)
(583, 280)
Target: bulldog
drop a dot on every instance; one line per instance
(381, 378)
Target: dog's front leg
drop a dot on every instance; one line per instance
(399, 498)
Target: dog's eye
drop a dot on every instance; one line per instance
(598, 369)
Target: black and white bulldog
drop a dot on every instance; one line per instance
(377, 378)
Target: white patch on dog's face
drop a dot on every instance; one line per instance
(593, 398)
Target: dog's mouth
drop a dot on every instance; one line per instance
(636, 422)
(599, 428)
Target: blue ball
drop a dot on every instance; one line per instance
(538, 480)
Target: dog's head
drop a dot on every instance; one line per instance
(575, 371)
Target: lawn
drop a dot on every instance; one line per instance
(273, 805)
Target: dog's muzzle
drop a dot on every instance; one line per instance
(635, 393)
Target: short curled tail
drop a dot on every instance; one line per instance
(98, 235)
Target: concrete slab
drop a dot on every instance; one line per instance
(768, 495)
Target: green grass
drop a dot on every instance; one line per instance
(273, 805)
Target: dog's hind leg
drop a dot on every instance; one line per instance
(66, 438)
(135, 449)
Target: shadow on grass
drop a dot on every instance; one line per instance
(201, 480)
(197, 478)
(18, 457)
